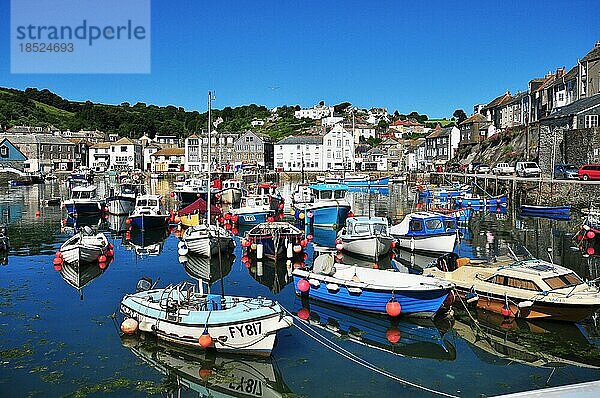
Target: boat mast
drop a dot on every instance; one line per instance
(209, 161)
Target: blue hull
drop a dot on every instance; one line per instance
(480, 203)
(378, 182)
(248, 219)
(329, 216)
(544, 210)
(148, 222)
(83, 208)
(425, 303)
(430, 194)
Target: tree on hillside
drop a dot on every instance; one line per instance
(341, 107)
(460, 115)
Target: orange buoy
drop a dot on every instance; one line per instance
(303, 313)
(392, 308)
(102, 265)
(205, 339)
(129, 326)
(102, 258)
(303, 285)
(58, 261)
(205, 373)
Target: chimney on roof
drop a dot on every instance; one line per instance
(597, 43)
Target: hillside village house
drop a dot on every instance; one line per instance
(317, 112)
(255, 149)
(404, 127)
(10, 156)
(474, 129)
(222, 151)
(125, 155)
(192, 157)
(298, 153)
(168, 160)
(441, 144)
(92, 136)
(45, 152)
(415, 155)
(147, 152)
(338, 149)
(361, 131)
(99, 157)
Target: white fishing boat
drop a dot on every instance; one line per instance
(149, 213)
(85, 246)
(231, 192)
(426, 232)
(366, 236)
(83, 200)
(208, 240)
(122, 200)
(183, 314)
(253, 210)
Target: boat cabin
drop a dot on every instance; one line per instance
(329, 191)
(83, 192)
(148, 203)
(426, 223)
(367, 226)
(266, 189)
(303, 194)
(233, 184)
(255, 201)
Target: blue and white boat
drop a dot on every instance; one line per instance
(83, 200)
(275, 237)
(184, 314)
(366, 236)
(122, 200)
(370, 290)
(329, 207)
(148, 213)
(356, 180)
(416, 338)
(426, 232)
(480, 203)
(443, 194)
(253, 210)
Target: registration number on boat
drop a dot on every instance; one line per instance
(249, 218)
(247, 329)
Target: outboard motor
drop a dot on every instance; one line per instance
(143, 284)
(447, 262)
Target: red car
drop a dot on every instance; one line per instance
(589, 172)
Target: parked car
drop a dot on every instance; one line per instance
(481, 168)
(527, 169)
(566, 172)
(503, 169)
(453, 167)
(589, 172)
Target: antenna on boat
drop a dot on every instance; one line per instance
(550, 256)
(512, 253)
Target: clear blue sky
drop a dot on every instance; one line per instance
(428, 56)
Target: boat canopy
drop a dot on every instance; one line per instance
(366, 226)
(83, 192)
(255, 201)
(425, 223)
(329, 191)
(198, 206)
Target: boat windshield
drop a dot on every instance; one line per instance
(326, 194)
(434, 224)
(338, 194)
(380, 229)
(147, 202)
(82, 195)
(450, 224)
(562, 281)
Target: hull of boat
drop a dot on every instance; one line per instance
(190, 197)
(376, 182)
(480, 203)
(328, 215)
(81, 207)
(145, 222)
(120, 205)
(539, 310)
(191, 220)
(439, 243)
(78, 253)
(231, 196)
(206, 246)
(413, 301)
(546, 210)
(248, 331)
(371, 247)
(252, 218)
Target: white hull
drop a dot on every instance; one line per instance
(83, 248)
(431, 244)
(120, 206)
(373, 246)
(206, 244)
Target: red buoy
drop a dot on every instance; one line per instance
(392, 308)
(205, 340)
(303, 314)
(57, 261)
(235, 218)
(102, 265)
(128, 221)
(350, 214)
(58, 254)
(375, 266)
(205, 373)
(505, 311)
(393, 334)
(227, 216)
(129, 326)
(303, 285)
(309, 237)
(590, 250)
(102, 258)
(590, 234)
(172, 194)
(234, 231)
(270, 219)
(228, 226)
(57, 267)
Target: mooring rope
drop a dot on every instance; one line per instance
(324, 341)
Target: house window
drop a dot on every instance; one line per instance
(123, 149)
(4, 152)
(591, 121)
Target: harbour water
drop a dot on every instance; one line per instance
(59, 336)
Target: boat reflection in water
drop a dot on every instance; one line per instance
(414, 261)
(79, 274)
(84, 220)
(323, 237)
(146, 242)
(207, 374)
(273, 274)
(207, 269)
(117, 224)
(416, 338)
(535, 343)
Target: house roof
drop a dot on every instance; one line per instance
(102, 145)
(388, 142)
(124, 141)
(301, 139)
(572, 74)
(476, 118)
(170, 152)
(36, 139)
(593, 54)
(193, 136)
(498, 100)
(576, 107)
(406, 123)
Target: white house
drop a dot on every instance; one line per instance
(257, 122)
(362, 130)
(192, 154)
(125, 154)
(147, 152)
(299, 153)
(331, 120)
(338, 149)
(98, 157)
(317, 112)
(168, 160)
